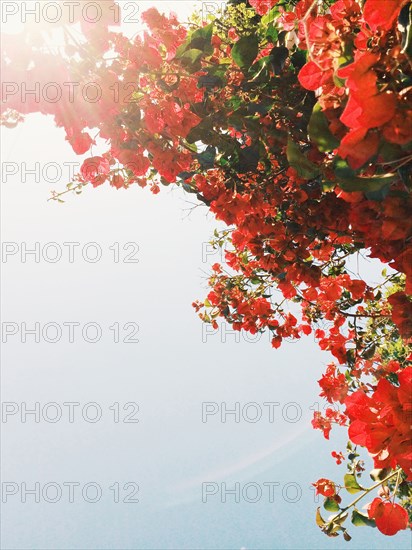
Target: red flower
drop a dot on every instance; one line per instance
(378, 14)
(95, 170)
(334, 388)
(134, 161)
(382, 422)
(359, 76)
(401, 313)
(366, 107)
(117, 181)
(287, 20)
(153, 119)
(358, 146)
(338, 457)
(398, 129)
(324, 487)
(356, 287)
(389, 517)
(155, 20)
(80, 142)
(319, 422)
(261, 307)
(312, 77)
(369, 112)
(276, 342)
(262, 6)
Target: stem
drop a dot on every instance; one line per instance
(56, 196)
(396, 485)
(367, 491)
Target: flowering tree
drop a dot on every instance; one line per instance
(290, 121)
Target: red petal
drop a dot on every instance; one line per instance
(358, 147)
(312, 77)
(393, 519)
(381, 14)
(375, 508)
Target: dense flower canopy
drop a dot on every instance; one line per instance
(290, 121)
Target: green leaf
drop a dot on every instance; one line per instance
(260, 67)
(378, 474)
(270, 16)
(360, 520)
(380, 194)
(278, 55)
(339, 82)
(351, 484)
(272, 34)
(207, 157)
(319, 133)
(390, 151)
(367, 185)
(190, 57)
(298, 59)
(245, 51)
(349, 181)
(331, 505)
(202, 35)
(188, 188)
(200, 39)
(235, 102)
(297, 160)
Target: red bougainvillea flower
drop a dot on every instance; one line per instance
(95, 170)
(287, 20)
(324, 423)
(359, 76)
(312, 76)
(358, 146)
(338, 457)
(398, 129)
(117, 181)
(80, 142)
(369, 112)
(134, 161)
(324, 487)
(366, 107)
(389, 517)
(262, 6)
(334, 386)
(401, 313)
(381, 15)
(382, 422)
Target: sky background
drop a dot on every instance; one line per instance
(164, 377)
